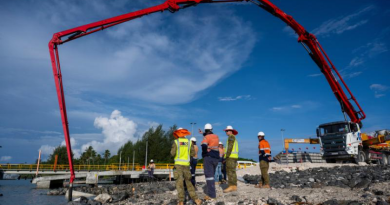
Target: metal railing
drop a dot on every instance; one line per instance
(82, 167)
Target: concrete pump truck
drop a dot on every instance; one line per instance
(308, 41)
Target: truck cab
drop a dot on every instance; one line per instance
(340, 141)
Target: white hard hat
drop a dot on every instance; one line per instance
(261, 134)
(208, 126)
(180, 128)
(151, 160)
(229, 127)
(193, 139)
(220, 143)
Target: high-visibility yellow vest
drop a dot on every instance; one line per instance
(234, 153)
(183, 150)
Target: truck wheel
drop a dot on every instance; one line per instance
(384, 159)
(361, 157)
(388, 159)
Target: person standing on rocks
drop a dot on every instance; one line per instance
(231, 156)
(182, 151)
(194, 161)
(264, 159)
(151, 168)
(210, 154)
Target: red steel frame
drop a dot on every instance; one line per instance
(309, 41)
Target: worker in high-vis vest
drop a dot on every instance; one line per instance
(182, 151)
(210, 154)
(231, 157)
(264, 159)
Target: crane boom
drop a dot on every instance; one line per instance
(309, 41)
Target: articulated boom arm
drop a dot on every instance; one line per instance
(317, 53)
(309, 41)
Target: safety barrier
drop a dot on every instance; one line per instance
(83, 167)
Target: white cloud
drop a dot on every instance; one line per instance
(289, 31)
(5, 158)
(47, 150)
(151, 62)
(379, 90)
(240, 97)
(116, 130)
(304, 106)
(315, 75)
(378, 87)
(341, 24)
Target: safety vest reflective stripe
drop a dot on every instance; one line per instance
(185, 159)
(234, 153)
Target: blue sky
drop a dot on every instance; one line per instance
(225, 64)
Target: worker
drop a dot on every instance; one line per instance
(231, 157)
(210, 154)
(182, 151)
(264, 159)
(218, 170)
(151, 168)
(194, 161)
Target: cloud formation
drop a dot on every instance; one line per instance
(5, 158)
(379, 90)
(299, 107)
(117, 130)
(341, 24)
(240, 97)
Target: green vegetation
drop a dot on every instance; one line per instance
(159, 147)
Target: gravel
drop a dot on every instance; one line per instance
(349, 185)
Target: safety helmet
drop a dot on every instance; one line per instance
(180, 128)
(151, 160)
(193, 139)
(230, 128)
(220, 143)
(208, 126)
(261, 134)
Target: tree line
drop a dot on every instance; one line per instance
(159, 143)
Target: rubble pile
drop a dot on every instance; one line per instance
(344, 177)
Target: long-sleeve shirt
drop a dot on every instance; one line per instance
(230, 145)
(264, 150)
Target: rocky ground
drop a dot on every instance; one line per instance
(347, 185)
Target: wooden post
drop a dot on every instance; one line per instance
(39, 159)
(55, 162)
(169, 173)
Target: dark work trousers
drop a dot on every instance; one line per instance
(194, 162)
(224, 171)
(209, 166)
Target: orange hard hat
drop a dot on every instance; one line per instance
(181, 132)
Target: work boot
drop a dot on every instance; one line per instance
(180, 203)
(230, 189)
(266, 186)
(198, 202)
(258, 185)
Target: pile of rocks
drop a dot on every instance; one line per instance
(132, 193)
(344, 177)
(60, 191)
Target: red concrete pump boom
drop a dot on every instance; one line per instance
(309, 42)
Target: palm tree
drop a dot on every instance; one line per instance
(107, 155)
